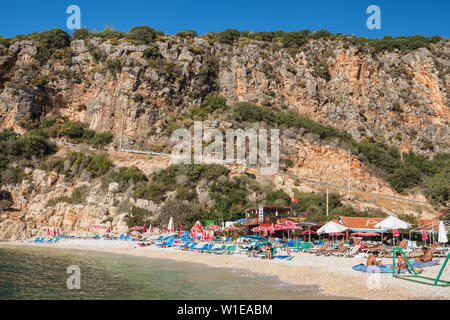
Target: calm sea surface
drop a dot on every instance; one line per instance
(41, 273)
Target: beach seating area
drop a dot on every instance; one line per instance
(287, 249)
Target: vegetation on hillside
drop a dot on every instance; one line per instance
(18, 152)
(74, 131)
(59, 39)
(402, 171)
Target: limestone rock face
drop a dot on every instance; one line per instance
(30, 207)
(402, 99)
(114, 187)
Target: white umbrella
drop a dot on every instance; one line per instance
(442, 233)
(331, 227)
(170, 226)
(392, 223)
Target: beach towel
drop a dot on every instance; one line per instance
(381, 269)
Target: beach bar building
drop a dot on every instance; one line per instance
(266, 215)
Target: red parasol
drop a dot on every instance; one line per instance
(164, 229)
(181, 230)
(309, 232)
(287, 223)
(424, 234)
(258, 229)
(396, 233)
(232, 228)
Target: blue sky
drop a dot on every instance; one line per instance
(398, 17)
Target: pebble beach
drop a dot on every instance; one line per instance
(334, 275)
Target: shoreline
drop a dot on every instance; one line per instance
(333, 275)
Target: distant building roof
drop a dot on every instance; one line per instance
(363, 224)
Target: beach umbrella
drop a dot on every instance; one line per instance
(151, 229)
(204, 236)
(331, 227)
(170, 226)
(259, 229)
(181, 230)
(265, 234)
(424, 234)
(396, 233)
(48, 231)
(144, 230)
(232, 228)
(213, 227)
(309, 232)
(337, 234)
(392, 223)
(197, 227)
(442, 238)
(287, 223)
(163, 229)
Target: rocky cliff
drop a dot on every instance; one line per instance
(402, 99)
(399, 98)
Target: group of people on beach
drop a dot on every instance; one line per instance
(402, 262)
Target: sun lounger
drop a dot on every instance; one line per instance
(35, 240)
(230, 249)
(217, 250)
(306, 246)
(166, 244)
(323, 247)
(204, 249)
(350, 252)
(340, 249)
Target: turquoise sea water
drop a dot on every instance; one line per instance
(40, 273)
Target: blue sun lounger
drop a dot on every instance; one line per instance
(206, 247)
(35, 240)
(168, 243)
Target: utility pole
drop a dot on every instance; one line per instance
(349, 166)
(121, 132)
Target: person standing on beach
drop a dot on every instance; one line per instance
(269, 251)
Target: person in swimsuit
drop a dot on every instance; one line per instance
(372, 260)
(427, 255)
(402, 263)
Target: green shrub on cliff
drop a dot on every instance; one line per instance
(187, 33)
(81, 34)
(143, 34)
(99, 140)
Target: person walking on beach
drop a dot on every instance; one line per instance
(372, 260)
